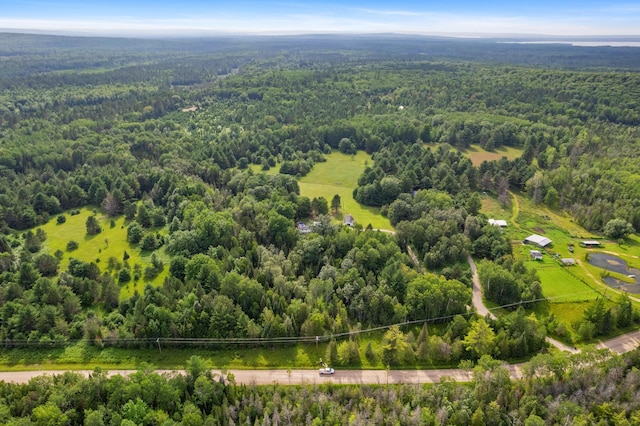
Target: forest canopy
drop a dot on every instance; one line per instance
(170, 137)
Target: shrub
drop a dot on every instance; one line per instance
(150, 273)
(61, 219)
(72, 245)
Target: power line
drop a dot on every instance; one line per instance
(204, 341)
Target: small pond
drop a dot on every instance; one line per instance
(612, 263)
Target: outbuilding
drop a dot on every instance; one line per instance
(590, 243)
(303, 228)
(498, 222)
(349, 220)
(535, 254)
(537, 240)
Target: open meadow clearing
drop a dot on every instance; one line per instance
(339, 175)
(493, 209)
(477, 154)
(111, 243)
(560, 285)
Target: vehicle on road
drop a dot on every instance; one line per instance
(327, 371)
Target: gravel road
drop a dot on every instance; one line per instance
(295, 377)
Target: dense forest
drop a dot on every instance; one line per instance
(165, 134)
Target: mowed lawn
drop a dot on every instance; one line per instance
(339, 175)
(111, 242)
(559, 285)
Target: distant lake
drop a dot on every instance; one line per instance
(582, 43)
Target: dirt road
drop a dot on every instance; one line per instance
(622, 344)
(484, 311)
(477, 291)
(297, 377)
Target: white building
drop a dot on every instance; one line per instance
(498, 222)
(537, 240)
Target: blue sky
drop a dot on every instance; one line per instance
(449, 17)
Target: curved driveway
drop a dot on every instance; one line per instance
(477, 291)
(484, 311)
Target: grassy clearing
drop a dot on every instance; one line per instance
(568, 313)
(492, 208)
(111, 242)
(560, 285)
(339, 175)
(541, 215)
(257, 168)
(303, 355)
(82, 355)
(629, 249)
(477, 154)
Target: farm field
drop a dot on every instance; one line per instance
(110, 243)
(570, 289)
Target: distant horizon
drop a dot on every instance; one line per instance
(585, 40)
(194, 18)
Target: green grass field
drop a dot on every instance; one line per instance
(539, 215)
(570, 289)
(111, 242)
(560, 285)
(568, 314)
(257, 168)
(81, 355)
(629, 249)
(339, 175)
